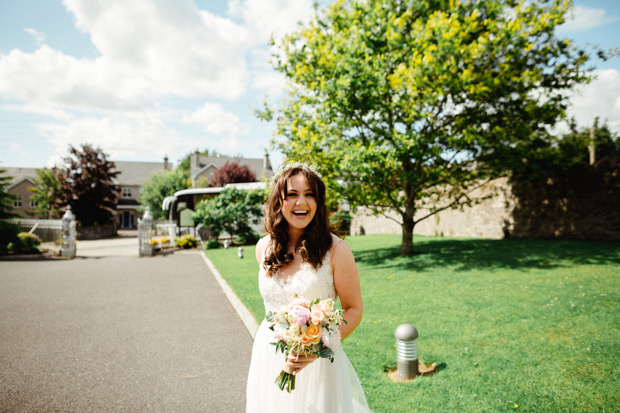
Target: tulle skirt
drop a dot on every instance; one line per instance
(321, 387)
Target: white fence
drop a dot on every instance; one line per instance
(49, 230)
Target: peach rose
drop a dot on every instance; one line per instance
(316, 314)
(312, 334)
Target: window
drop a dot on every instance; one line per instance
(17, 202)
(126, 192)
(33, 204)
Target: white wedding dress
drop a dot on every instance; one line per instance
(321, 387)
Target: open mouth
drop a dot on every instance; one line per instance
(300, 213)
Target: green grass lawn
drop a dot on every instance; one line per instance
(514, 325)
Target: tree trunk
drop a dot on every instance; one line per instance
(406, 247)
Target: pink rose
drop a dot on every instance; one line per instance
(300, 314)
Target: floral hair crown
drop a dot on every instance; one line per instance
(294, 165)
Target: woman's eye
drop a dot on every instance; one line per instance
(290, 194)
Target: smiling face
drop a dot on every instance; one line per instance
(299, 203)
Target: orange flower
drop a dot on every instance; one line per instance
(312, 334)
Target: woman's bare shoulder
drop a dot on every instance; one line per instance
(340, 249)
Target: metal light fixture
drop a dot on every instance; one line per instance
(406, 351)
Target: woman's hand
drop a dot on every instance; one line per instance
(296, 362)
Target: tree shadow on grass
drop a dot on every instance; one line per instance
(467, 254)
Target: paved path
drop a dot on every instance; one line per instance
(119, 334)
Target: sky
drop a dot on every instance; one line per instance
(145, 79)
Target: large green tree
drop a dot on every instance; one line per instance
(86, 184)
(415, 103)
(161, 185)
(46, 185)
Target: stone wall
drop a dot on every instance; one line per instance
(97, 232)
(491, 218)
(522, 210)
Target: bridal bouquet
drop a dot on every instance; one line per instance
(305, 327)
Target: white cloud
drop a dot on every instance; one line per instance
(265, 18)
(39, 37)
(600, 98)
(215, 120)
(154, 58)
(122, 136)
(585, 18)
(50, 111)
(147, 50)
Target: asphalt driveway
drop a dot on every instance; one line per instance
(118, 333)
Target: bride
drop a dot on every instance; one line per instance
(300, 256)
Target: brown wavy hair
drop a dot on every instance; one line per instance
(316, 239)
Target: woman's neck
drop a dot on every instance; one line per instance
(293, 236)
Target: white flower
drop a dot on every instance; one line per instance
(331, 339)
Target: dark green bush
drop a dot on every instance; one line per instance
(25, 243)
(8, 234)
(341, 222)
(213, 244)
(249, 238)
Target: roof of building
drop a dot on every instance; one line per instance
(255, 165)
(135, 173)
(19, 174)
(131, 173)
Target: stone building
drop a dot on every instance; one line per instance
(129, 181)
(202, 168)
(22, 179)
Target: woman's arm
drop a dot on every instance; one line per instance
(347, 283)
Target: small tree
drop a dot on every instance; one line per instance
(232, 172)
(161, 185)
(86, 185)
(232, 211)
(6, 199)
(46, 185)
(8, 231)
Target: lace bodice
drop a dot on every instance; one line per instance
(307, 282)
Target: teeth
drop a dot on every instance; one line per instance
(300, 212)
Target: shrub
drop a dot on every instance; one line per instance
(186, 242)
(25, 242)
(249, 238)
(8, 234)
(213, 244)
(341, 221)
